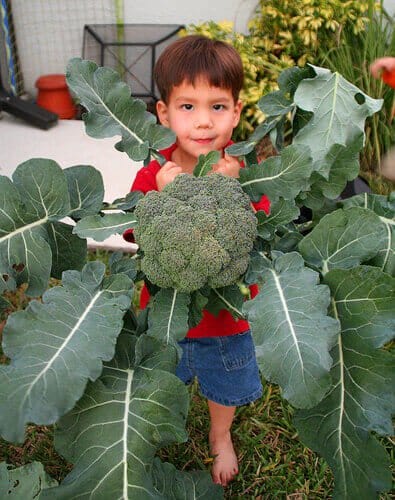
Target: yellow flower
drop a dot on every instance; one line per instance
(332, 25)
(316, 23)
(303, 60)
(227, 26)
(286, 35)
(302, 23)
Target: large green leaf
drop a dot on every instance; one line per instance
(243, 148)
(289, 78)
(336, 427)
(57, 345)
(113, 433)
(380, 204)
(258, 267)
(68, 250)
(180, 485)
(365, 301)
(344, 166)
(281, 212)
(279, 176)
(343, 239)
(128, 202)
(86, 190)
(229, 297)
(43, 189)
(361, 399)
(384, 207)
(25, 482)
(37, 195)
(120, 263)
(112, 110)
(101, 227)
(168, 315)
(292, 332)
(205, 163)
(199, 300)
(275, 104)
(339, 112)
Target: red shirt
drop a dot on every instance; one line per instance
(210, 325)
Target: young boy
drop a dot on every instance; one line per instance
(199, 82)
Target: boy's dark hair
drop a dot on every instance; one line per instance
(195, 56)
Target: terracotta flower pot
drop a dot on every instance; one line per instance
(53, 95)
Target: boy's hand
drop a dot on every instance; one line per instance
(228, 165)
(167, 174)
(382, 64)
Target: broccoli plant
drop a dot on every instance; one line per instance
(198, 231)
(80, 358)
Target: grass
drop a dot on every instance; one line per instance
(274, 464)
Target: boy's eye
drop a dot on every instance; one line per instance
(218, 107)
(187, 106)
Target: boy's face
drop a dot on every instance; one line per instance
(202, 117)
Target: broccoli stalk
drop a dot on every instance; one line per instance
(197, 232)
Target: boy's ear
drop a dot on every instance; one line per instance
(161, 110)
(238, 108)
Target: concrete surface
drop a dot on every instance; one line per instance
(68, 144)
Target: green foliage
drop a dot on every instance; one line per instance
(273, 461)
(24, 482)
(355, 406)
(34, 243)
(138, 385)
(111, 112)
(320, 322)
(290, 289)
(197, 231)
(282, 34)
(352, 59)
(328, 120)
(345, 37)
(31, 388)
(294, 31)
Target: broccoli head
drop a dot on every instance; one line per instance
(198, 231)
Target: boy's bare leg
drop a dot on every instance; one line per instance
(225, 465)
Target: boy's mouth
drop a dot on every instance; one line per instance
(204, 140)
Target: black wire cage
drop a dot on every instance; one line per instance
(132, 50)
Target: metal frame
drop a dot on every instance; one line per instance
(90, 28)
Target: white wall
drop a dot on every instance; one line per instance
(390, 6)
(189, 11)
(196, 11)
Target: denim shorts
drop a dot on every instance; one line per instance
(225, 367)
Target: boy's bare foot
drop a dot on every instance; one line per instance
(225, 466)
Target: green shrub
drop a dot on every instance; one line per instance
(282, 34)
(352, 59)
(296, 30)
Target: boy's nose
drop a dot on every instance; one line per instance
(203, 120)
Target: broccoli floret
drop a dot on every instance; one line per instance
(198, 231)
